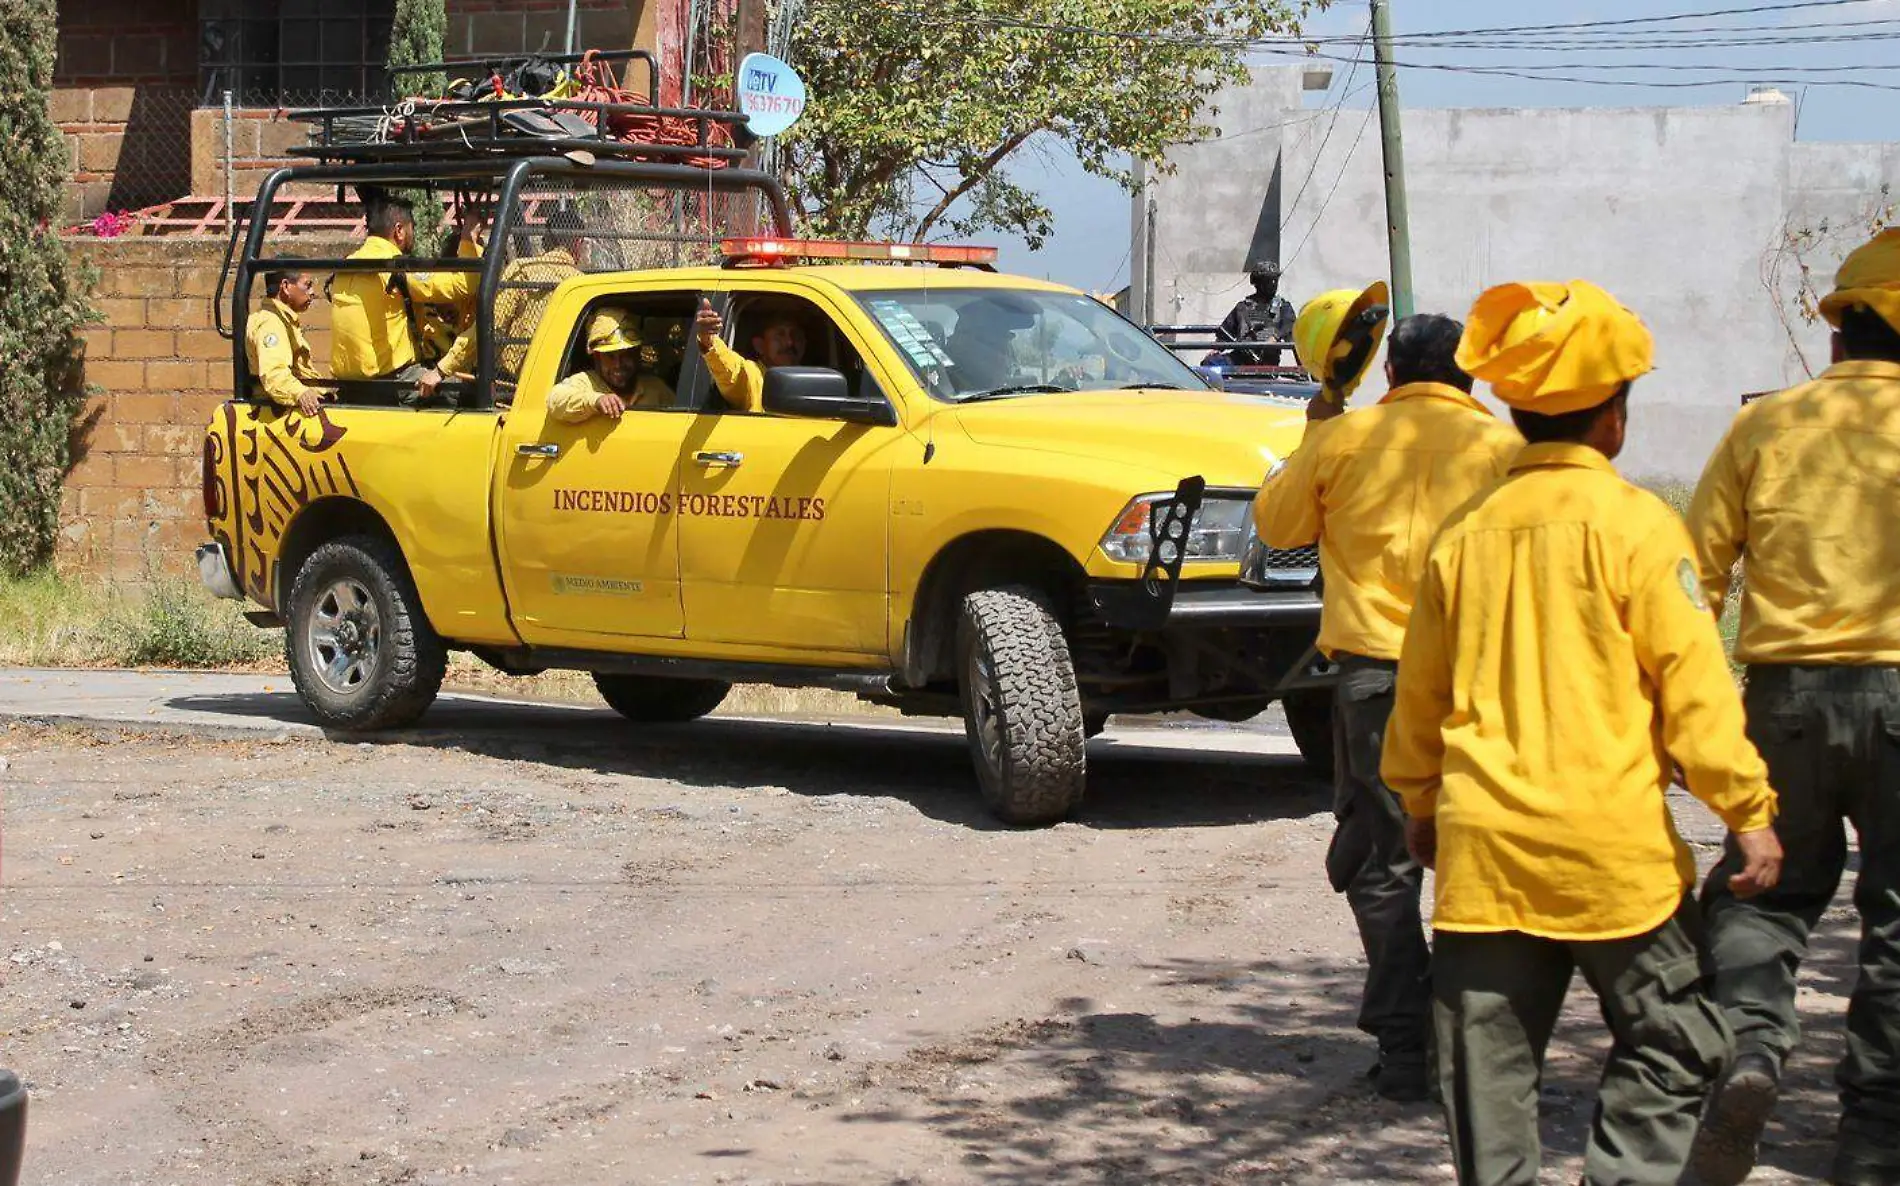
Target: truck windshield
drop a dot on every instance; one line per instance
(968, 344)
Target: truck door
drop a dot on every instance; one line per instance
(785, 521)
(587, 522)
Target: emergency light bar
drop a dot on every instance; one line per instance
(769, 250)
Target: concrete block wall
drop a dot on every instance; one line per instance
(261, 138)
(157, 366)
(125, 82)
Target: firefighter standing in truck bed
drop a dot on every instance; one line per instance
(522, 295)
(1371, 488)
(1803, 487)
(1558, 660)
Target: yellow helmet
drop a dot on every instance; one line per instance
(612, 329)
(1338, 332)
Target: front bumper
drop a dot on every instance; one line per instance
(214, 572)
(1130, 605)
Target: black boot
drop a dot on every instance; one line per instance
(1404, 1071)
(1725, 1147)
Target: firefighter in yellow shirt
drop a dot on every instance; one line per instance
(1803, 489)
(780, 342)
(522, 296)
(616, 381)
(278, 352)
(1559, 660)
(1371, 488)
(440, 324)
(373, 325)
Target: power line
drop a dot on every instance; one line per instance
(943, 18)
(1752, 10)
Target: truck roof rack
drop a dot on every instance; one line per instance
(443, 131)
(420, 128)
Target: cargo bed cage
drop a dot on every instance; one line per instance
(631, 215)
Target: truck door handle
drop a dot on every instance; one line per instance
(719, 460)
(538, 450)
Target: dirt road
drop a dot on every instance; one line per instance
(732, 952)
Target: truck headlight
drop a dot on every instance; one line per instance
(1217, 533)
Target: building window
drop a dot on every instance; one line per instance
(271, 53)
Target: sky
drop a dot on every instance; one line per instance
(1090, 247)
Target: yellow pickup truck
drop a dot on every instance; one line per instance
(968, 499)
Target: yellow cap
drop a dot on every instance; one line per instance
(610, 330)
(1869, 276)
(1337, 333)
(1554, 348)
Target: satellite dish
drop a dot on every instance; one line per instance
(771, 94)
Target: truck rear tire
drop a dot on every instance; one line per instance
(361, 653)
(660, 700)
(1309, 717)
(1022, 713)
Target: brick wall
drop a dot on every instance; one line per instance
(127, 42)
(517, 26)
(124, 85)
(130, 146)
(158, 367)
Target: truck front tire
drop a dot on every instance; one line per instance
(1021, 710)
(660, 700)
(361, 653)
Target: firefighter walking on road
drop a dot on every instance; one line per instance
(1371, 488)
(1558, 659)
(1803, 488)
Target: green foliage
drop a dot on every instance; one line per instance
(416, 36)
(916, 108)
(42, 295)
(50, 621)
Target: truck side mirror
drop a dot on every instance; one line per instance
(821, 393)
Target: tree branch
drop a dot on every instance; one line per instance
(970, 181)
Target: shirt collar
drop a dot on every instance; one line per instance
(285, 311)
(1441, 391)
(1863, 368)
(377, 247)
(1556, 454)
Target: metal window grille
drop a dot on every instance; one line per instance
(266, 51)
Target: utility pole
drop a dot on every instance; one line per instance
(1397, 220)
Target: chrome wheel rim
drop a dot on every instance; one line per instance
(986, 715)
(344, 636)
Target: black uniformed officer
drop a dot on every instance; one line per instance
(1264, 314)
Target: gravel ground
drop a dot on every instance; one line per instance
(731, 952)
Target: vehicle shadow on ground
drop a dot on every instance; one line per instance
(1132, 782)
(1265, 1084)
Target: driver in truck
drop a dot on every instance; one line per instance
(780, 342)
(616, 381)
